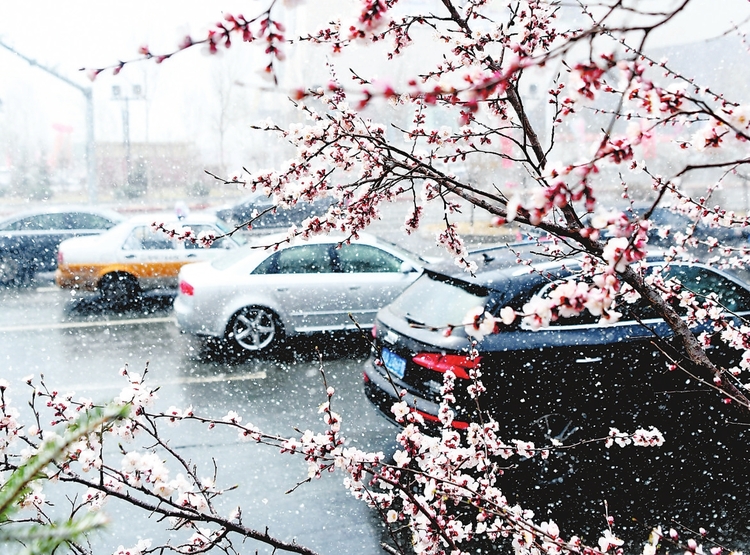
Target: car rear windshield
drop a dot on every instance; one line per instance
(438, 301)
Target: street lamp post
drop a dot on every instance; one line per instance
(91, 177)
(125, 99)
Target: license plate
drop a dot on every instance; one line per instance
(394, 363)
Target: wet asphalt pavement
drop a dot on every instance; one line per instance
(77, 345)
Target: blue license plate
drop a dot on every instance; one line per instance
(394, 363)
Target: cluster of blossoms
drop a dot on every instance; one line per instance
(640, 438)
(571, 298)
(10, 427)
(204, 239)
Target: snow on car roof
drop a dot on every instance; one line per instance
(58, 208)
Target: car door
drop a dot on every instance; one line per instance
(619, 373)
(302, 281)
(35, 238)
(195, 252)
(152, 257)
(582, 374)
(370, 278)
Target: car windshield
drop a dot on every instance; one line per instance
(408, 255)
(241, 239)
(436, 301)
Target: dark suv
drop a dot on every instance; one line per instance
(267, 218)
(572, 378)
(572, 381)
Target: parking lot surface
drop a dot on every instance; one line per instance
(79, 346)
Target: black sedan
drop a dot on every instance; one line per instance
(29, 240)
(569, 382)
(259, 211)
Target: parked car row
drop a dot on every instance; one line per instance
(250, 297)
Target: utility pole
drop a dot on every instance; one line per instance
(91, 181)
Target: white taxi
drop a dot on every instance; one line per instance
(134, 256)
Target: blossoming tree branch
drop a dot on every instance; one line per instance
(363, 142)
(597, 67)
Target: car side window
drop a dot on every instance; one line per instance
(146, 238)
(39, 222)
(704, 282)
(18, 225)
(366, 259)
(635, 311)
(701, 281)
(268, 266)
(83, 220)
(305, 259)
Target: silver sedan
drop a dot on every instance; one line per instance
(253, 297)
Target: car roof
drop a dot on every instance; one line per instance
(254, 248)
(493, 263)
(171, 217)
(282, 236)
(509, 268)
(59, 208)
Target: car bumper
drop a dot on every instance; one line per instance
(84, 279)
(191, 321)
(383, 395)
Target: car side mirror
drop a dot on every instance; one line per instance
(407, 268)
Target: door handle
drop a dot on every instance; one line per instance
(192, 255)
(129, 256)
(282, 289)
(355, 287)
(588, 360)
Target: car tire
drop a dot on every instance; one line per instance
(11, 271)
(118, 290)
(254, 329)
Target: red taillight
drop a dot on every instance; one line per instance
(59, 258)
(186, 289)
(374, 331)
(457, 364)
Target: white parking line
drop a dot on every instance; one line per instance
(47, 289)
(177, 381)
(103, 323)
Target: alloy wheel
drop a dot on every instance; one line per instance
(254, 328)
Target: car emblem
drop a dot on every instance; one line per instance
(390, 337)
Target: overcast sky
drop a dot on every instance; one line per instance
(68, 35)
